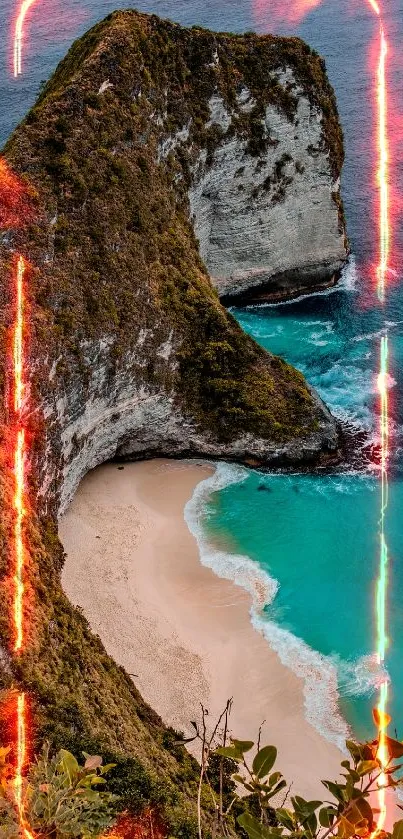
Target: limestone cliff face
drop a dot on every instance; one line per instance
(269, 225)
(144, 130)
(119, 415)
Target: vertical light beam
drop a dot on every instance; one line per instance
(384, 233)
(19, 453)
(19, 550)
(19, 35)
(18, 338)
(18, 541)
(374, 5)
(381, 596)
(21, 761)
(382, 582)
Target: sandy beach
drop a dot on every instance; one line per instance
(183, 633)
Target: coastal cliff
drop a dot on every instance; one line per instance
(131, 353)
(126, 160)
(266, 202)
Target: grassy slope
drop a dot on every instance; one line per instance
(92, 159)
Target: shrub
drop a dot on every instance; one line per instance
(60, 798)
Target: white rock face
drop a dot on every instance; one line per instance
(268, 219)
(118, 414)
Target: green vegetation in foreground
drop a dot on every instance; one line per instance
(63, 800)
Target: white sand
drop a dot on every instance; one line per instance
(133, 567)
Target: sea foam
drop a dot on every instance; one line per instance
(241, 570)
(324, 678)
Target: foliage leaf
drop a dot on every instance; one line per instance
(381, 719)
(327, 816)
(285, 817)
(264, 761)
(365, 809)
(346, 829)
(254, 828)
(277, 788)
(394, 747)
(229, 751)
(397, 830)
(365, 767)
(68, 764)
(335, 789)
(93, 762)
(243, 745)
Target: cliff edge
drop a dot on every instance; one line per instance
(131, 352)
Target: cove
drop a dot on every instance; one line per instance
(317, 535)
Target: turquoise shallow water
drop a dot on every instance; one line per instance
(317, 536)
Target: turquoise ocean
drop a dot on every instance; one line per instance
(310, 541)
(315, 538)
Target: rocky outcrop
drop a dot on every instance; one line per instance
(269, 225)
(121, 416)
(145, 129)
(129, 351)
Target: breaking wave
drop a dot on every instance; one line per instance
(347, 282)
(325, 678)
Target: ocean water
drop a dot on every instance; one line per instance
(316, 537)
(305, 546)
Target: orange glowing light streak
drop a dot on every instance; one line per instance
(15, 201)
(384, 232)
(18, 339)
(21, 761)
(18, 542)
(19, 35)
(19, 458)
(19, 550)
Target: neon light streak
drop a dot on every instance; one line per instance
(19, 550)
(19, 35)
(382, 582)
(384, 234)
(382, 271)
(18, 339)
(276, 12)
(21, 761)
(18, 541)
(375, 6)
(19, 459)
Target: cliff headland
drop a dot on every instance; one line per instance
(153, 156)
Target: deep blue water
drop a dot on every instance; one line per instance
(317, 536)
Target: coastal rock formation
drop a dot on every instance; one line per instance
(268, 220)
(129, 351)
(144, 127)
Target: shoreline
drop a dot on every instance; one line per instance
(185, 634)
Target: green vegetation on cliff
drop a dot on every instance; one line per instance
(118, 213)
